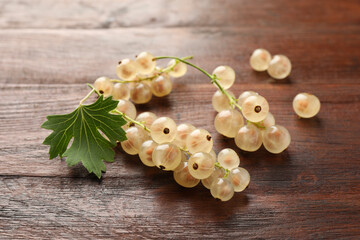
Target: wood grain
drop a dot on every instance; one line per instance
(44, 197)
(50, 49)
(80, 56)
(93, 14)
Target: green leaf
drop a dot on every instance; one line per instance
(89, 146)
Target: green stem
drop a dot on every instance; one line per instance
(93, 89)
(171, 67)
(256, 124)
(87, 96)
(187, 151)
(227, 171)
(129, 119)
(214, 79)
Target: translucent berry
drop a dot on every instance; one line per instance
(104, 86)
(255, 108)
(279, 67)
(260, 59)
(306, 105)
(226, 76)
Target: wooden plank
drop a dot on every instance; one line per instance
(79, 56)
(49, 49)
(91, 14)
(150, 206)
(317, 144)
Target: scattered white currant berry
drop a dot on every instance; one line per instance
(260, 59)
(306, 105)
(279, 67)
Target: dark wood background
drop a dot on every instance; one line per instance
(50, 49)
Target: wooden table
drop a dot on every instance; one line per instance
(50, 49)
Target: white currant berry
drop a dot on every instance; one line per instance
(279, 67)
(218, 173)
(276, 139)
(220, 101)
(245, 95)
(255, 108)
(178, 70)
(104, 86)
(239, 178)
(268, 121)
(201, 165)
(199, 140)
(183, 131)
(166, 156)
(121, 91)
(228, 122)
(161, 86)
(222, 189)
(163, 130)
(225, 76)
(135, 137)
(126, 107)
(260, 59)
(228, 158)
(145, 152)
(140, 93)
(147, 118)
(183, 177)
(145, 63)
(249, 138)
(306, 105)
(126, 69)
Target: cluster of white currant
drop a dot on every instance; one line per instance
(188, 152)
(278, 66)
(260, 128)
(185, 150)
(140, 79)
